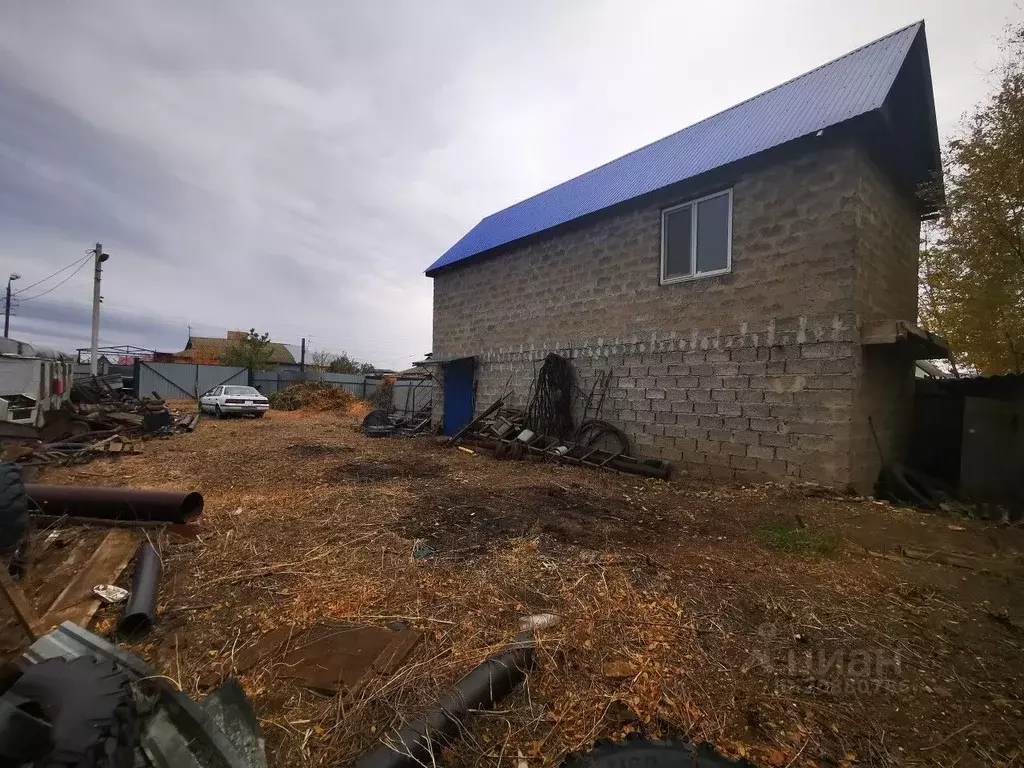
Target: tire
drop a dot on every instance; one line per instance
(593, 430)
(259, 415)
(13, 508)
(89, 705)
(655, 754)
(217, 412)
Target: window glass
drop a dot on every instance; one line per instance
(713, 234)
(248, 391)
(678, 243)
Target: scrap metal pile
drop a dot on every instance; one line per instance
(387, 420)
(100, 419)
(382, 422)
(548, 431)
(73, 698)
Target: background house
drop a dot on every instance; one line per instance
(208, 350)
(750, 282)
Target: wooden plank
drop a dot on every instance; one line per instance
(881, 332)
(1003, 567)
(473, 422)
(24, 611)
(77, 603)
(396, 651)
(923, 345)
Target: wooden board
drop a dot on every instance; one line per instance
(23, 610)
(77, 603)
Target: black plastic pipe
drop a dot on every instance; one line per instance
(490, 682)
(115, 503)
(140, 610)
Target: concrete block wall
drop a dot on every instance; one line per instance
(887, 252)
(757, 373)
(794, 238)
(736, 403)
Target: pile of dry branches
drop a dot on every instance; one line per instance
(313, 396)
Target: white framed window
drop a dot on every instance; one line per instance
(696, 238)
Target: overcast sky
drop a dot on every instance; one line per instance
(295, 166)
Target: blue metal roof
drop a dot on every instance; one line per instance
(851, 85)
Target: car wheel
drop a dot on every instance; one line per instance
(258, 415)
(218, 412)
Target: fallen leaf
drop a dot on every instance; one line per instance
(619, 668)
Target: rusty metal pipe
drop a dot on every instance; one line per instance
(140, 610)
(115, 503)
(484, 686)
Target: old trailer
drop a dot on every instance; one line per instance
(33, 381)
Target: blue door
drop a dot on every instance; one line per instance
(458, 394)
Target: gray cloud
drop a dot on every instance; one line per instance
(295, 167)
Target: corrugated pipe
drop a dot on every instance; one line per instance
(140, 610)
(490, 682)
(116, 503)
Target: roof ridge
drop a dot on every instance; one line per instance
(920, 22)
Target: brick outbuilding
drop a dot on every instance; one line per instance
(750, 282)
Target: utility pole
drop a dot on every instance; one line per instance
(7, 305)
(302, 357)
(98, 257)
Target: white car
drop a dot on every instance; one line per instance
(231, 398)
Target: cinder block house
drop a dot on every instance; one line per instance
(750, 281)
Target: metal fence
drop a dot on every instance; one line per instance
(274, 381)
(178, 380)
(412, 395)
(409, 395)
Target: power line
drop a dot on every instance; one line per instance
(58, 285)
(49, 277)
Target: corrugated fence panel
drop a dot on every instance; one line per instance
(178, 380)
(409, 394)
(266, 382)
(211, 376)
(274, 381)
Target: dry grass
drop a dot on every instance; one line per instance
(677, 620)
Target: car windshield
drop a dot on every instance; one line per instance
(245, 391)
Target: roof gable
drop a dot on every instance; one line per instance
(212, 348)
(850, 86)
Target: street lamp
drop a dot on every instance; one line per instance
(7, 305)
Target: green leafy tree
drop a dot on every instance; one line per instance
(345, 364)
(972, 260)
(320, 360)
(253, 351)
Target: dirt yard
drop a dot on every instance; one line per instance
(780, 623)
